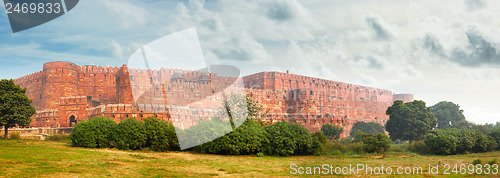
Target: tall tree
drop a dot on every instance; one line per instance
(448, 115)
(15, 106)
(409, 121)
(331, 132)
(369, 128)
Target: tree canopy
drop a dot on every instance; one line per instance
(15, 106)
(409, 121)
(448, 115)
(331, 132)
(369, 128)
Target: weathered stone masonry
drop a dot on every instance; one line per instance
(64, 93)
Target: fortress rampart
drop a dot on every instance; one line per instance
(64, 93)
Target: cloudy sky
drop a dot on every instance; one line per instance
(436, 50)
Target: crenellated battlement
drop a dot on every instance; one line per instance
(29, 77)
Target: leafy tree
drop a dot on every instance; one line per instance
(160, 135)
(15, 108)
(332, 132)
(369, 128)
(478, 127)
(254, 108)
(238, 108)
(130, 134)
(94, 133)
(495, 135)
(409, 121)
(448, 115)
(358, 137)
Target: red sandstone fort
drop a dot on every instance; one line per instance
(64, 94)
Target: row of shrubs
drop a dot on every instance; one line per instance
(281, 139)
(251, 138)
(458, 141)
(129, 134)
(453, 141)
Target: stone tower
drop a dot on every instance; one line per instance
(61, 79)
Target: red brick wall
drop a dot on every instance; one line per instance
(64, 87)
(313, 102)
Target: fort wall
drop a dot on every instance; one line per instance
(64, 93)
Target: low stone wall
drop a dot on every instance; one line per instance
(38, 133)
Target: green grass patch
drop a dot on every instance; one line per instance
(32, 158)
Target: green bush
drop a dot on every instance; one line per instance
(466, 139)
(346, 140)
(333, 148)
(320, 136)
(335, 152)
(130, 135)
(287, 139)
(492, 162)
(160, 135)
(205, 131)
(15, 135)
(418, 147)
(247, 139)
(379, 143)
(95, 133)
(319, 141)
(484, 143)
(458, 141)
(398, 148)
(477, 161)
(356, 147)
(441, 143)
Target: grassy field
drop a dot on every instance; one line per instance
(30, 158)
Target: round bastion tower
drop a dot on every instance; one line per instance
(61, 80)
